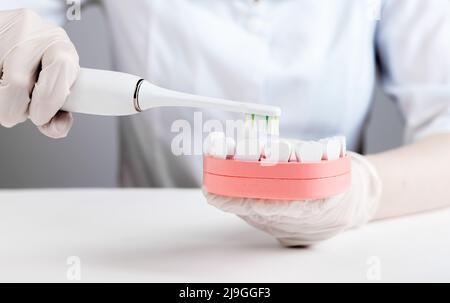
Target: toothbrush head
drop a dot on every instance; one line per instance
(267, 124)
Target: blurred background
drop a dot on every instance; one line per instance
(89, 156)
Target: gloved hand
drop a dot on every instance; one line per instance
(38, 64)
(303, 223)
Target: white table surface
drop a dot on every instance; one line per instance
(174, 236)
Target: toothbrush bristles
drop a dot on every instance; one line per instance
(270, 126)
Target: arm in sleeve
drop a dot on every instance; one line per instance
(413, 43)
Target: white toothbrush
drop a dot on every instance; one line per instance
(101, 92)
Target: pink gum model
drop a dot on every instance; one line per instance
(277, 181)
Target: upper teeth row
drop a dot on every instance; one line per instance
(279, 150)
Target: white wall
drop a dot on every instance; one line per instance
(88, 157)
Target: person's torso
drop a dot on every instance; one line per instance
(313, 58)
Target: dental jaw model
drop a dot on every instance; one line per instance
(279, 169)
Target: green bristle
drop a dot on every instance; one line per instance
(272, 124)
(249, 120)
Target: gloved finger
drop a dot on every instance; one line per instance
(59, 126)
(294, 233)
(227, 204)
(245, 206)
(309, 238)
(60, 67)
(16, 84)
(301, 241)
(279, 226)
(294, 209)
(261, 207)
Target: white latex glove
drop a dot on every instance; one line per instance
(38, 64)
(303, 223)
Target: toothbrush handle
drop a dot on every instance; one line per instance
(100, 92)
(106, 93)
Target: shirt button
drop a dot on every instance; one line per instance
(256, 25)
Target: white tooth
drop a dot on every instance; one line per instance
(231, 146)
(331, 148)
(293, 157)
(343, 145)
(219, 146)
(248, 150)
(309, 152)
(213, 135)
(278, 151)
(210, 141)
